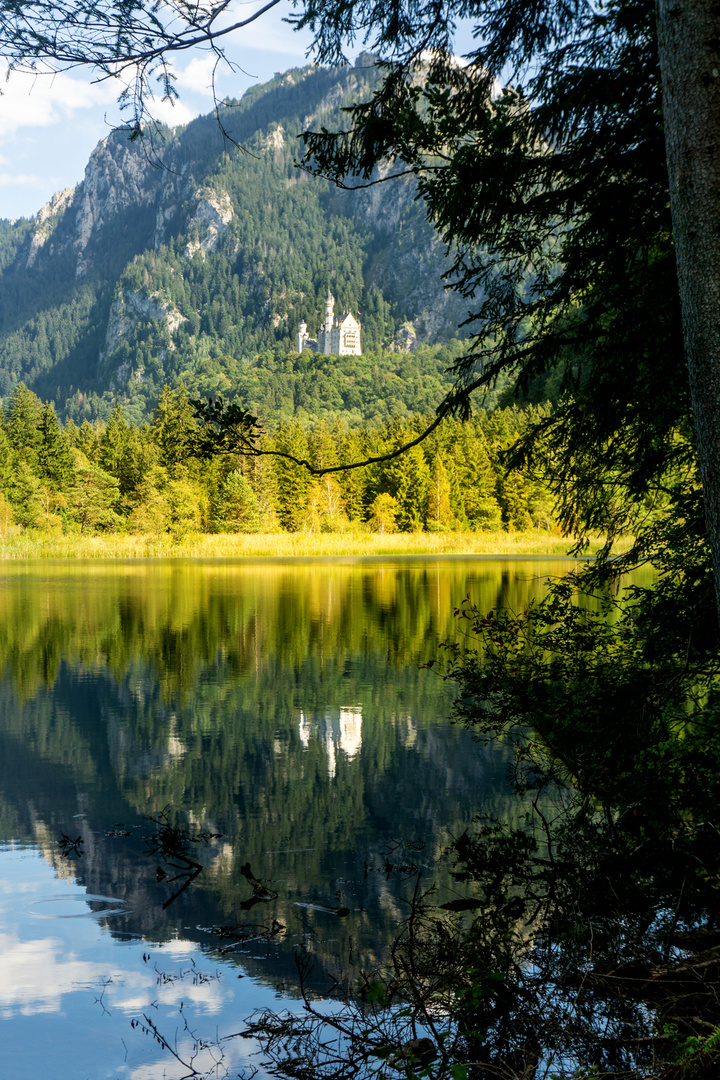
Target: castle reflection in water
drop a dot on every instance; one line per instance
(337, 731)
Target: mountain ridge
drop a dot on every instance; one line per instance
(191, 257)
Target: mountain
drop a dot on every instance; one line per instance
(193, 253)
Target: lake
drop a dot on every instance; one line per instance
(208, 769)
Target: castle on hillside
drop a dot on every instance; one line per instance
(339, 337)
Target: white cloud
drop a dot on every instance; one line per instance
(27, 180)
(10, 887)
(197, 76)
(171, 113)
(53, 122)
(42, 100)
(173, 979)
(268, 33)
(34, 975)
(36, 101)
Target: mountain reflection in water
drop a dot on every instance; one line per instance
(219, 764)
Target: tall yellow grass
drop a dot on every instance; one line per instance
(31, 545)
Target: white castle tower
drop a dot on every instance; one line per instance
(339, 337)
(329, 320)
(303, 338)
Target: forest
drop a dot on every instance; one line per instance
(118, 476)
(197, 259)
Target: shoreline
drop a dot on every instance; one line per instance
(288, 545)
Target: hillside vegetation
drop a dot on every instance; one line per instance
(117, 476)
(186, 256)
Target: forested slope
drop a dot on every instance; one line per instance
(188, 256)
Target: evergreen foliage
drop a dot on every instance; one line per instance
(92, 498)
(157, 478)
(199, 272)
(553, 198)
(594, 950)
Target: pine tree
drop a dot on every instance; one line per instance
(234, 507)
(173, 427)
(7, 460)
(25, 495)
(150, 507)
(56, 463)
(117, 451)
(87, 440)
(185, 506)
(292, 482)
(23, 416)
(439, 514)
(513, 498)
(93, 498)
(411, 482)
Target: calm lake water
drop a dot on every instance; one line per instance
(206, 769)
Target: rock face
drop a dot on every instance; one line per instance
(415, 267)
(46, 221)
(213, 213)
(129, 309)
(117, 178)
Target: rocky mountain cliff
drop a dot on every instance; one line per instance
(188, 255)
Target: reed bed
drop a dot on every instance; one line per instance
(29, 545)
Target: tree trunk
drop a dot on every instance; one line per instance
(689, 50)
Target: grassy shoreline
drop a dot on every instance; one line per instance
(283, 545)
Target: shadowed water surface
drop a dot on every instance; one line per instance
(208, 769)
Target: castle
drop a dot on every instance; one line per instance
(339, 337)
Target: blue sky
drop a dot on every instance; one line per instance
(50, 125)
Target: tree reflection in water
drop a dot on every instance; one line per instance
(588, 944)
(582, 936)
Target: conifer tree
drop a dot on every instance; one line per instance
(439, 514)
(86, 440)
(117, 451)
(23, 415)
(292, 482)
(234, 507)
(150, 511)
(479, 480)
(411, 485)
(353, 483)
(55, 456)
(25, 494)
(92, 499)
(186, 506)
(7, 459)
(173, 427)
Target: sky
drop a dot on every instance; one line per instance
(50, 125)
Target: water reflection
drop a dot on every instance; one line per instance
(69, 992)
(341, 732)
(243, 760)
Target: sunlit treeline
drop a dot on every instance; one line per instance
(117, 476)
